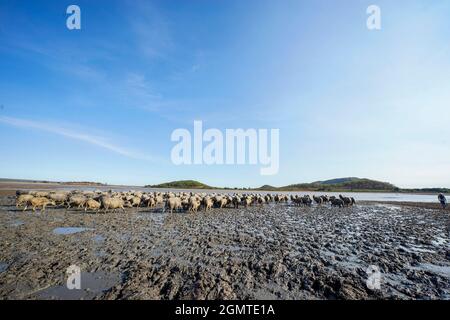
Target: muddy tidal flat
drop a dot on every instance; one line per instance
(262, 252)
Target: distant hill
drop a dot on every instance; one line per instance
(428, 190)
(340, 184)
(267, 187)
(182, 184)
(336, 181)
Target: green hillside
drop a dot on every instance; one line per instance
(181, 184)
(343, 184)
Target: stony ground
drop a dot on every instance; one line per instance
(269, 252)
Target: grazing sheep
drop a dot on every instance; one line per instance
(23, 200)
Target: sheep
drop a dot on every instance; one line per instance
(135, 201)
(337, 202)
(40, 194)
(58, 197)
(112, 203)
(40, 202)
(207, 203)
(151, 203)
(23, 199)
(223, 202)
(347, 201)
(76, 200)
(306, 200)
(246, 201)
(235, 201)
(92, 204)
(173, 203)
(318, 200)
(261, 200)
(193, 204)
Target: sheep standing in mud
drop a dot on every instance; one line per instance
(347, 201)
(337, 202)
(151, 203)
(194, 204)
(317, 200)
(93, 205)
(173, 203)
(59, 197)
(135, 201)
(23, 199)
(207, 203)
(76, 201)
(112, 203)
(246, 201)
(306, 200)
(235, 201)
(40, 202)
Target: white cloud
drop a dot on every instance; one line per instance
(88, 138)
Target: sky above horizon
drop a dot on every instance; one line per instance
(100, 103)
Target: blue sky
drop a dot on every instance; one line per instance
(100, 103)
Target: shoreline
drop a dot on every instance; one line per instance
(7, 186)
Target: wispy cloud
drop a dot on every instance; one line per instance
(88, 138)
(150, 29)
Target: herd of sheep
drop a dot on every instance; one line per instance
(187, 201)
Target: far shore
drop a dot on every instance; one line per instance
(10, 185)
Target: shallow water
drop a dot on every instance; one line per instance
(92, 284)
(3, 266)
(68, 230)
